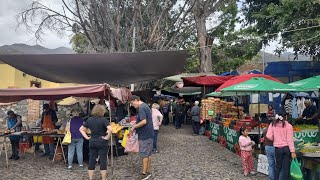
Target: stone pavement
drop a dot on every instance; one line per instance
(182, 156)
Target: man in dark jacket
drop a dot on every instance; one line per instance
(180, 113)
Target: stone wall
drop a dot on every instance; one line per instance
(22, 108)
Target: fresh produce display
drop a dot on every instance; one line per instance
(237, 149)
(116, 128)
(222, 141)
(305, 127)
(263, 125)
(310, 150)
(296, 129)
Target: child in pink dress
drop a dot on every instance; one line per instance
(246, 144)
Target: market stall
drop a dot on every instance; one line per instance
(309, 136)
(225, 126)
(103, 91)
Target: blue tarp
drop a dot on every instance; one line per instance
(234, 73)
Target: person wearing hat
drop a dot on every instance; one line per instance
(48, 121)
(195, 113)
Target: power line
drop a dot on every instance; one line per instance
(292, 30)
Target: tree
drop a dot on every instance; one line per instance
(201, 10)
(297, 22)
(108, 25)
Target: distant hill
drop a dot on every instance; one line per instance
(36, 49)
(286, 56)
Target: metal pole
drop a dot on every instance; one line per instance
(237, 101)
(133, 48)
(319, 116)
(259, 122)
(111, 136)
(263, 60)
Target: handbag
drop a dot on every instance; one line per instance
(124, 140)
(132, 144)
(67, 137)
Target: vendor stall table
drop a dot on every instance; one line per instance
(59, 143)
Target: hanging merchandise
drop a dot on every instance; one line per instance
(294, 108)
(288, 106)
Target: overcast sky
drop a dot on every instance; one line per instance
(10, 34)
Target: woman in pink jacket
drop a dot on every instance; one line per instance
(281, 132)
(157, 118)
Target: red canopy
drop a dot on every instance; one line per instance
(242, 78)
(97, 90)
(197, 81)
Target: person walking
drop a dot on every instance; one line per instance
(145, 131)
(14, 123)
(157, 118)
(76, 139)
(281, 132)
(98, 142)
(246, 144)
(195, 117)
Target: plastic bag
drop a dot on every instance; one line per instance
(295, 170)
(124, 140)
(132, 144)
(67, 138)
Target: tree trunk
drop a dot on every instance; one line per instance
(205, 52)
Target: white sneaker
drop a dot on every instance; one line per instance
(69, 167)
(81, 165)
(253, 173)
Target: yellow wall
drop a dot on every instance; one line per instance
(7, 74)
(21, 81)
(11, 77)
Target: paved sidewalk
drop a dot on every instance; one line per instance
(182, 156)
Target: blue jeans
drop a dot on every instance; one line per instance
(76, 144)
(271, 161)
(155, 139)
(49, 149)
(270, 152)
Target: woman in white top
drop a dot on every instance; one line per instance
(157, 118)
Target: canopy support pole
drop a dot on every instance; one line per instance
(259, 122)
(319, 116)
(111, 143)
(237, 101)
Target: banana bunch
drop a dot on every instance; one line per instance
(116, 128)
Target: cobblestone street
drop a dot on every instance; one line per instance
(182, 156)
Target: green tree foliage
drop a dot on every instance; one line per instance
(234, 47)
(296, 21)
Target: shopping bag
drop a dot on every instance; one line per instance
(67, 138)
(132, 144)
(295, 170)
(124, 140)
